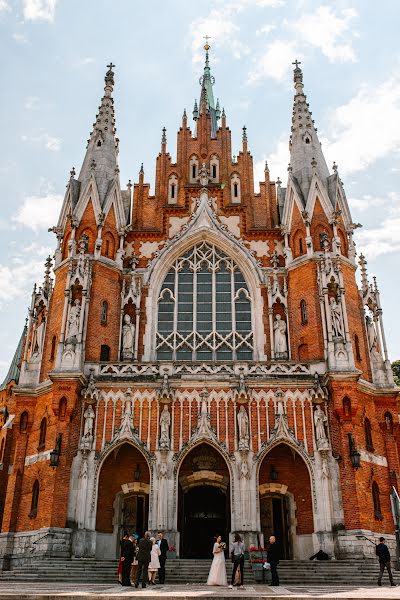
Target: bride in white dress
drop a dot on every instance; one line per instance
(217, 575)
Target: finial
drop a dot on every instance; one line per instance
(244, 136)
(278, 182)
(334, 167)
(72, 173)
(129, 184)
(217, 110)
(296, 63)
(298, 76)
(164, 136)
(93, 165)
(375, 284)
(141, 172)
(289, 168)
(314, 163)
(207, 45)
(184, 116)
(364, 277)
(195, 111)
(109, 78)
(266, 168)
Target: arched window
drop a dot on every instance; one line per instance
(35, 500)
(389, 422)
(357, 347)
(194, 169)
(42, 434)
(346, 407)
(235, 188)
(23, 422)
(204, 309)
(53, 347)
(104, 353)
(173, 189)
(368, 435)
(377, 501)
(62, 408)
(303, 311)
(301, 246)
(214, 169)
(104, 309)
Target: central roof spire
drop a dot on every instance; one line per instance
(206, 95)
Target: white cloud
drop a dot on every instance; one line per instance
(325, 30)
(380, 240)
(358, 133)
(277, 163)
(4, 6)
(275, 62)
(48, 141)
(32, 102)
(265, 29)
(15, 281)
(39, 212)
(40, 10)
(87, 60)
(20, 38)
(365, 202)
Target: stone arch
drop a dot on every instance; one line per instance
(245, 262)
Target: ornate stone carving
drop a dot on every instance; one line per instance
(90, 393)
(204, 175)
(128, 338)
(280, 341)
(336, 318)
(242, 392)
(165, 423)
(73, 322)
(243, 429)
(320, 421)
(88, 429)
(165, 394)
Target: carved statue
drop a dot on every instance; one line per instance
(371, 331)
(243, 429)
(73, 320)
(162, 497)
(244, 470)
(320, 419)
(89, 422)
(128, 338)
(165, 422)
(336, 318)
(204, 175)
(40, 336)
(280, 343)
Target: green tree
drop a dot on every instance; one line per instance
(396, 371)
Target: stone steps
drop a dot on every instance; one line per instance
(357, 572)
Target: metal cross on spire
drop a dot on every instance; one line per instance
(207, 37)
(297, 63)
(110, 66)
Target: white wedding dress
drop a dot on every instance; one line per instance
(217, 575)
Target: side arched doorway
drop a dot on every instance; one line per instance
(123, 499)
(203, 501)
(286, 509)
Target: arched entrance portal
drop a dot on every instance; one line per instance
(204, 501)
(285, 502)
(123, 498)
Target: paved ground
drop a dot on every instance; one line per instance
(42, 591)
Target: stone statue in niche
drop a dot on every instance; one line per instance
(165, 422)
(88, 428)
(204, 175)
(162, 497)
(371, 331)
(320, 419)
(128, 338)
(243, 429)
(73, 321)
(336, 318)
(280, 342)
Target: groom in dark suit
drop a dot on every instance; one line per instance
(163, 545)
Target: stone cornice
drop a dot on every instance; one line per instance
(40, 389)
(369, 388)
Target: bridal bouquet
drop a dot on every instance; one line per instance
(222, 545)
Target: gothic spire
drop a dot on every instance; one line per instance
(102, 149)
(206, 95)
(306, 156)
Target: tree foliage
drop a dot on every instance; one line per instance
(396, 371)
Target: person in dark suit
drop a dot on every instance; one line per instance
(143, 558)
(127, 552)
(163, 545)
(382, 552)
(273, 556)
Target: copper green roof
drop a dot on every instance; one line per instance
(14, 370)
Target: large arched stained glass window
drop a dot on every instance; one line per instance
(204, 309)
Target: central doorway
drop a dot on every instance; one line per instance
(203, 501)
(204, 510)
(274, 516)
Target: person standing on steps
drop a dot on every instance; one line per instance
(237, 554)
(163, 545)
(273, 556)
(127, 555)
(382, 552)
(143, 558)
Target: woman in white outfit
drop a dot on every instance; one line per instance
(217, 575)
(154, 564)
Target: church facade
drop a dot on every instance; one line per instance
(203, 361)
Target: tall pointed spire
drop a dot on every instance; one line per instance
(101, 153)
(306, 156)
(206, 95)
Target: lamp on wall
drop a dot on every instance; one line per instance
(273, 474)
(137, 473)
(56, 452)
(355, 456)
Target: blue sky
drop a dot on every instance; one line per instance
(54, 54)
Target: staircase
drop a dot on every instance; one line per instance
(183, 571)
